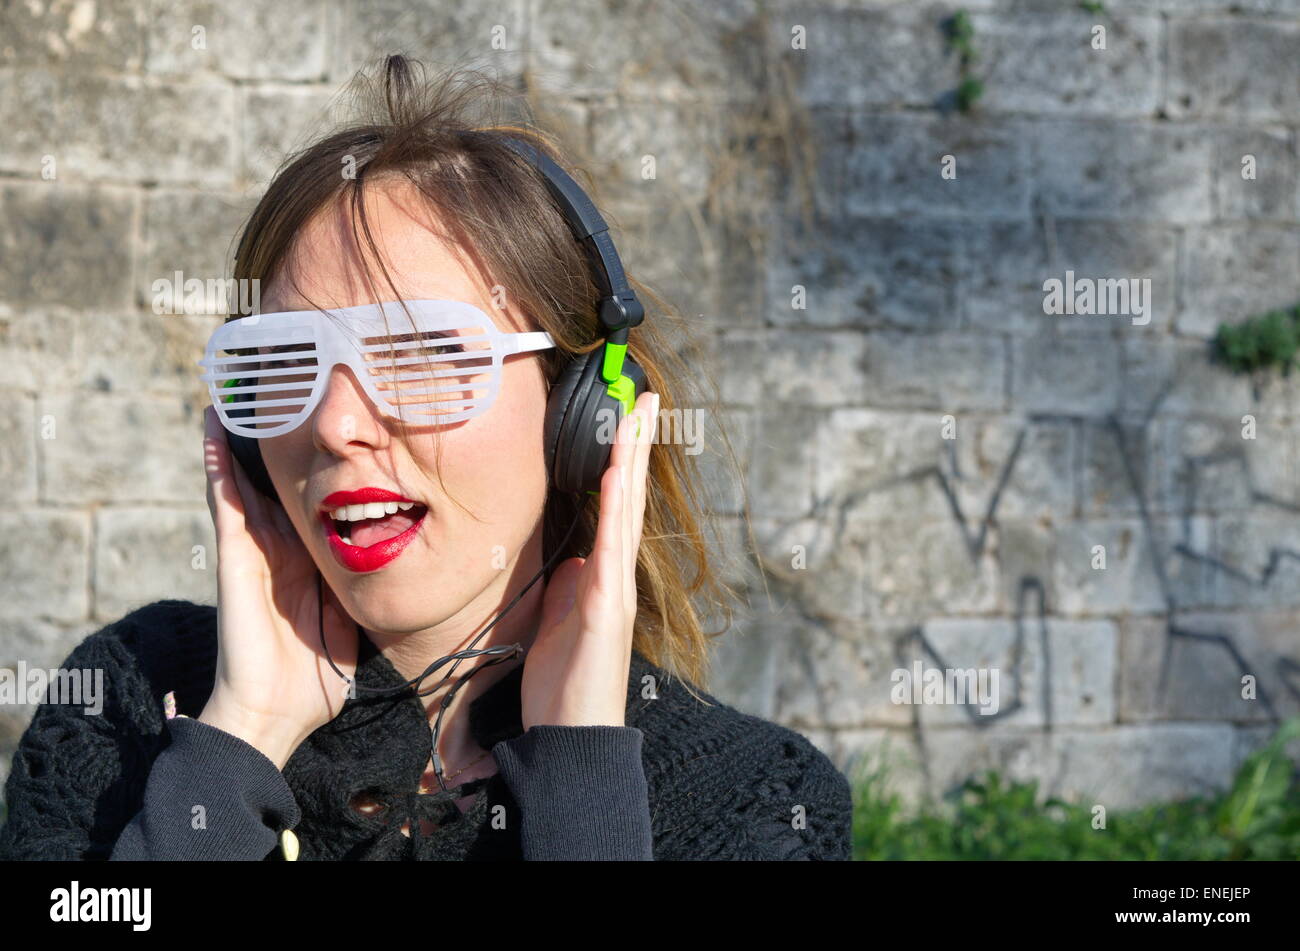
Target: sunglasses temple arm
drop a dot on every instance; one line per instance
(525, 342)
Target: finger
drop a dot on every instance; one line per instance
(254, 503)
(223, 495)
(604, 567)
(640, 472)
(627, 555)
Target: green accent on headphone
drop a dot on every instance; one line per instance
(231, 397)
(620, 387)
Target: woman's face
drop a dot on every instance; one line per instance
(459, 567)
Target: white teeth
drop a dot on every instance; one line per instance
(355, 513)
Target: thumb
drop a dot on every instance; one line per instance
(561, 592)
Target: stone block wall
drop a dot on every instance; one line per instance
(931, 460)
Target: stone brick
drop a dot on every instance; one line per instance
(866, 273)
(920, 569)
(713, 278)
(1190, 673)
(118, 128)
(275, 124)
(1046, 63)
(833, 680)
(1077, 671)
(1112, 460)
(896, 162)
(783, 457)
(721, 474)
(875, 464)
(955, 754)
(65, 245)
(1257, 558)
(813, 369)
(849, 55)
(1106, 170)
(132, 352)
(1234, 68)
(194, 233)
(1078, 374)
(1040, 482)
(1130, 766)
(1233, 272)
(1007, 264)
(121, 449)
(581, 49)
(811, 566)
(33, 345)
(18, 447)
(262, 39)
(1269, 196)
(949, 373)
(55, 585)
(72, 33)
(1130, 581)
(1186, 542)
(731, 357)
(1026, 557)
(685, 140)
(1205, 466)
(40, 643)
(140, 552)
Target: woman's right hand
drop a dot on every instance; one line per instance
(273, 685)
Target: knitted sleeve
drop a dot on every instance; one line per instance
(581, 791)
(798, 807)
(76, 775)
(121, 781)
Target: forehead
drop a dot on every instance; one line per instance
(331, 259)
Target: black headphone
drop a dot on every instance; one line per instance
(591, 387)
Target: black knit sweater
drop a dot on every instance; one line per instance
(719, 784)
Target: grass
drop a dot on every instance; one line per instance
(988, 818)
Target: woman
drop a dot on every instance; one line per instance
(299, 718)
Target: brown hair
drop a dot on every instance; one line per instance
(497, 207)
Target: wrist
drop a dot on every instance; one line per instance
(273, 740)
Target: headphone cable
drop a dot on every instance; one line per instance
(499, 654)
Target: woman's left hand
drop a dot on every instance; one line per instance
(575, 673)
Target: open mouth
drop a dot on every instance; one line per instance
(362, 529)
(366, 536)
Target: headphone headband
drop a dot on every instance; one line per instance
(619, 309)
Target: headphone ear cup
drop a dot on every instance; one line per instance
(249, 453)
(581, 418)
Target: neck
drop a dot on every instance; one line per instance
(411, 654)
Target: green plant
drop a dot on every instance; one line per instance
(1262, 342)
(961, 36)
(988, 818)
(1092, 6)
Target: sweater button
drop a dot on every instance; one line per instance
(289, 845)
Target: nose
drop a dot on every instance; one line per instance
(345, 420)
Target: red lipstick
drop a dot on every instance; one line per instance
(373, 557)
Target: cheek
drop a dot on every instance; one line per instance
(500, 455)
